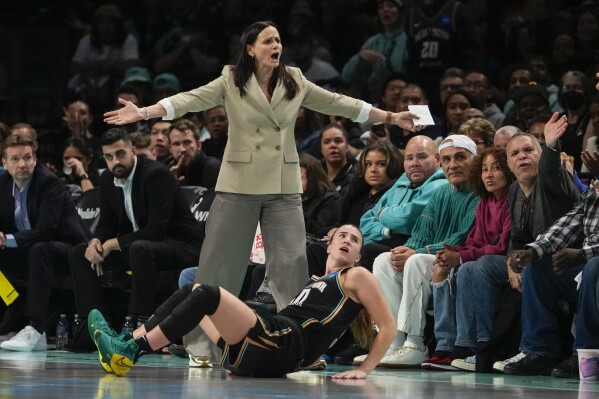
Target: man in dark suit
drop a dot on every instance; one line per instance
(145, 225)
(38, 226)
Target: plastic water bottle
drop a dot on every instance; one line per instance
(62, 332)
(77, 322)
(127, 326)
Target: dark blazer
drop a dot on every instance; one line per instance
(159, 208)
(202, 171)
(51, 212)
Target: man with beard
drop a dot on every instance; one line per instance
(192, 167)
(145, 225)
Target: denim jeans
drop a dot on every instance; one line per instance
(542, 290)
(444, 302)
(187, 276)
(587, 318)
(479, 284)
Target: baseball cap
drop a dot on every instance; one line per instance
(166, 81)
(458, 140)
(137, 74)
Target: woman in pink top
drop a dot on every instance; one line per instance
(490, 177)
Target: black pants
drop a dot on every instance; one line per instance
(33, 269)
(144, 258)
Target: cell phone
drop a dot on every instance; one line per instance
(378, 129)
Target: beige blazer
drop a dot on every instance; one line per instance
(261, 157)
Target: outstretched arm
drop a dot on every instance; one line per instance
(401, 119)
(130, 113)
(368, 292)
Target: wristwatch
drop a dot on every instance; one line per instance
(84, 177)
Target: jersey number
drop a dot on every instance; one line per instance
(430, 50)
(299, 300)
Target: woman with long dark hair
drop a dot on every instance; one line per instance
(259, 180)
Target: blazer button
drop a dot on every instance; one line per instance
(257, 130)
(278, 129)
(258, 147)
(278, 148)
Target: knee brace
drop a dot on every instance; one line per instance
(202, 301)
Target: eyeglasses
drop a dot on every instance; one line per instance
(525, 213)
(119, 154)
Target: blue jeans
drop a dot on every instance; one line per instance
(444, 298)
(587, 318)
(542, 289)
(479, 284)
(187, 276)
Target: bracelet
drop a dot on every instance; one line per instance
(147, 113)
(389, 118)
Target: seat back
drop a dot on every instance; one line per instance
(88, 207)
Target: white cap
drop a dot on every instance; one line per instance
(458, 140)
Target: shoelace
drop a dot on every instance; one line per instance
(24, 335)
(516, 358)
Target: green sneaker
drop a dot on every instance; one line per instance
(95, 321)
(120, 355)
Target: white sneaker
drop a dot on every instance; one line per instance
(468, 364)
(200, 361)
(358, 360)
(27, 340)
(499, 366)
(405, 357)
(7, 336)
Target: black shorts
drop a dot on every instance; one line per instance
(272, 348)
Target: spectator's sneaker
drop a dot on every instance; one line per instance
(532, 365)
(120, 355)
(7, 336)
(358, 360)
(26, 340)
(468, 364)
(440, 360)
(500, 365)
(203, 362)
(407, 356)
(177, 350)
(568, 369)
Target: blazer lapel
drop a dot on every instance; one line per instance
(255, 93)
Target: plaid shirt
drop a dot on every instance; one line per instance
(582, 220)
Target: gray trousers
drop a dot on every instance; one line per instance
(230, 231)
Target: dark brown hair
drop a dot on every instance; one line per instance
(16, 140)
(185, 124)
(475, 181)
(394, 159)
(318, 181)
(245, 65)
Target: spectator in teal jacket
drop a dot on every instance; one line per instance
(390, 222)
(381, 54)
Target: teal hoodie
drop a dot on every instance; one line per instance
(397, 210)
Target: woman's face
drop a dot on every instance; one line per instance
(73, 152)
(375, 170)
(333, 146)
(267, 49)
(493, 177)
(388, 14)
(456, 106)
(304, 176)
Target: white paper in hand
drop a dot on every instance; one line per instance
(426, 119)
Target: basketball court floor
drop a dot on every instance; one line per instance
(59, 374)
